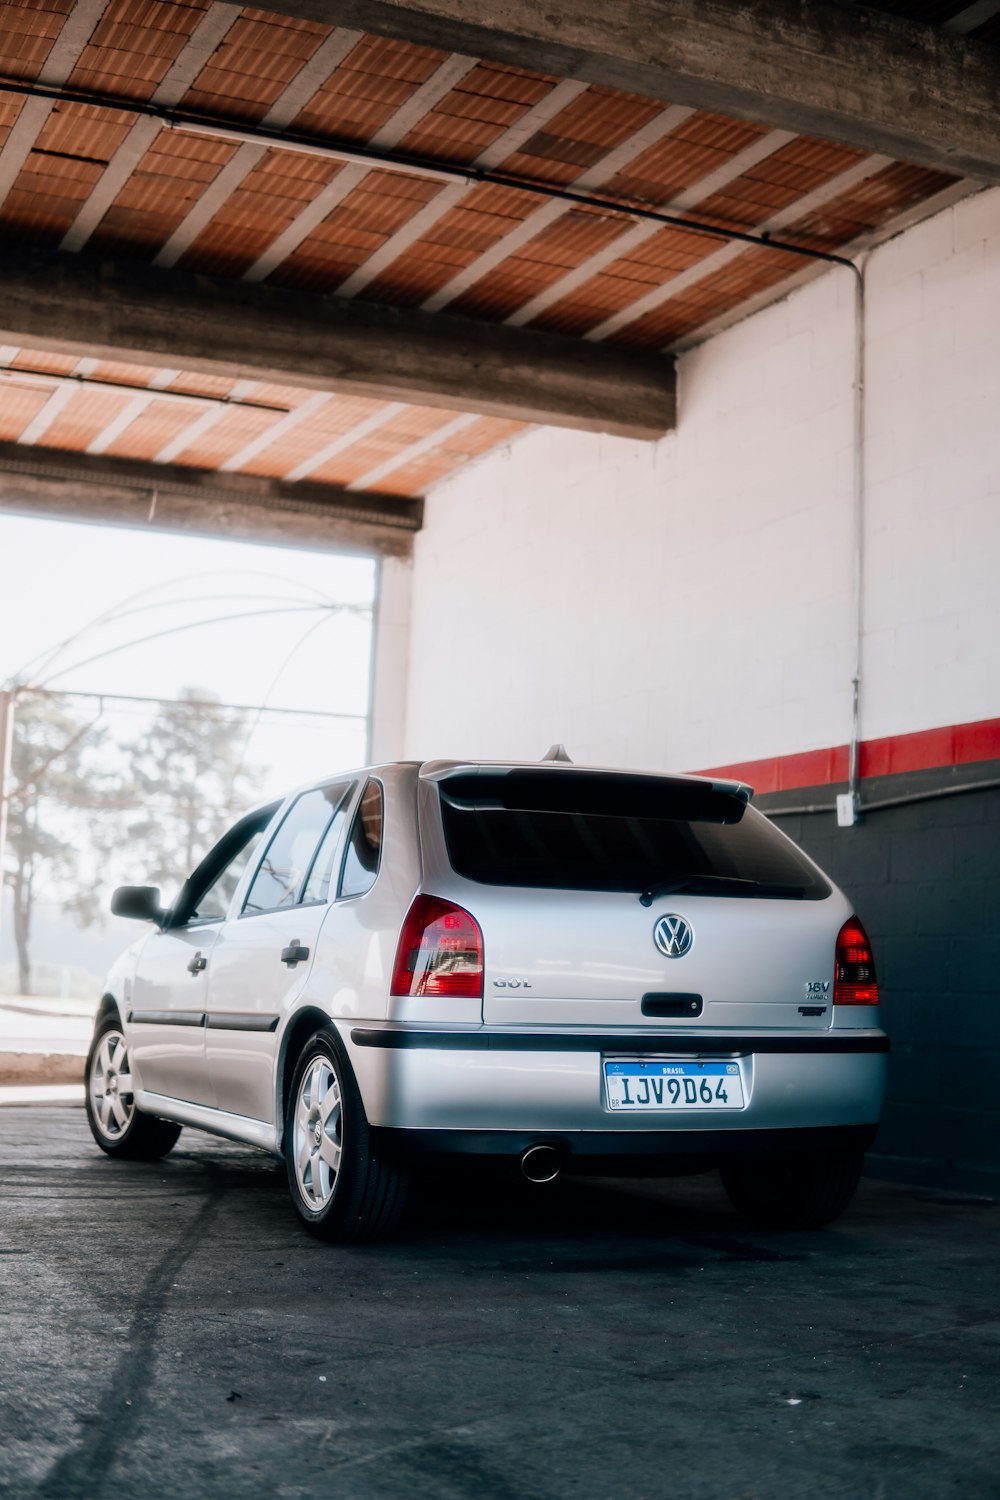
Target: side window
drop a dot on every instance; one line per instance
(215, 900)
(318, 885)
(364, 847)
(207, 893)
(289, 855)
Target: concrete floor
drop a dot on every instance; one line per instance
(169, 1331)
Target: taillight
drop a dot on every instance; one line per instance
(440, 951)
(854, 980)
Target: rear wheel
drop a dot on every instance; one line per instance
(793, 1192)
(343, 1185)
(118, 1127)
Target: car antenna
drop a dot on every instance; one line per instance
(557, 752)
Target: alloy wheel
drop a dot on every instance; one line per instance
(318, 1133)
(110, 1083)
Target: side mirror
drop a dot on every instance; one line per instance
(139, 901)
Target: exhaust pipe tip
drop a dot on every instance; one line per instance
(541, 1163)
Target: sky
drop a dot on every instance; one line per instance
(70, 592)
(287, 647)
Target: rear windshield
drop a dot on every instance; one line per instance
(595, 832)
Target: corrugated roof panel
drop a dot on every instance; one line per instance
(43, 219)
(515, 85)
(236, 427)
(746, 203)
(668, 251)
(806, 162)
(287, 396)
(165, 13)
(603, 117)
(124, 373)
(588, 128)
(85, 131)
(719, 292)
(621, 283)
(410, 282)
(338, 417)
(482, 219)
(321, 270)
(123, 74)
(26, 37)
(86, 416)
(385, 443)
(196, 384)
(451, 140)
(170, 179)
(891, 191)
(417, 478)
(373, 81)
(480, 436)
(573, 238)
(43, 362)
(561, 247)
(463, 103)
(677, 162)
(258, 29)
(260, 56)
(132, 48)
(153, 429)
(381, 204)
(388, 57)
(259, 210)
(505, 290)
(774, 183)
(19, 405)
(430, 468)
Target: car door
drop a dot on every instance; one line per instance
(265, 951)
(169, 991)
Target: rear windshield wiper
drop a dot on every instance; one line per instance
(722, 884)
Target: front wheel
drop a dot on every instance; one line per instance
(342, 1184)
(793, 1192)
(118, 1127)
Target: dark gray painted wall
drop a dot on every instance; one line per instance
(925, 880)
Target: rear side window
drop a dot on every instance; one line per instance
(317, 887)
(364, 848)
(283, 870)
(597, 832)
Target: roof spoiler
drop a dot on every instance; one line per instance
(614, 793)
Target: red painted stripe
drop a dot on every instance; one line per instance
(952, 745)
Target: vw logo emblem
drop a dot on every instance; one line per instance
(673, 936)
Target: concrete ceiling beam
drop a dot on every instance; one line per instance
(120, 310)
(839, 71)
(169, 497)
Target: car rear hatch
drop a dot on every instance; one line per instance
(608, 899)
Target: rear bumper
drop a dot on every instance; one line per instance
(639, 1152)
(480, 1082)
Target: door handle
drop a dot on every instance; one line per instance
(197, 963)
(294, 953)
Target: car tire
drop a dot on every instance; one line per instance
(793, 1192)
(118, 1127)
(344, 1186)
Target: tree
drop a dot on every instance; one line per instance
(56, 778)
(85, 813)
(189, 776)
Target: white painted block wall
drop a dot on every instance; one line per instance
(688, 603)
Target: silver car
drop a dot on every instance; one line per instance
(569, 968)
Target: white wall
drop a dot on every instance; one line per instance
(688, 603)
(391, 646)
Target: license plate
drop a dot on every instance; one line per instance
(658, 1084)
